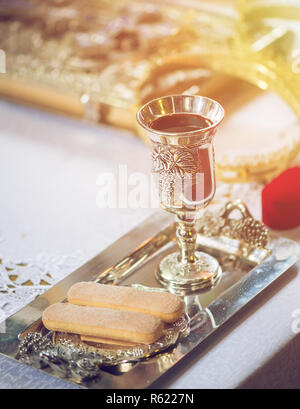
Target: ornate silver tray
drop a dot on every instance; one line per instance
(251, 260)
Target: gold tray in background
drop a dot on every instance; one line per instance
(132, 260)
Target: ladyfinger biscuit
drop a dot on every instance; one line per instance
(166, 306)
(103, 322)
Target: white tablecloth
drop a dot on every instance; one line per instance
(50, 224)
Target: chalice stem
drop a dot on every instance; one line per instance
(186, 237)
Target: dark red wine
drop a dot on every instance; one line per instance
(180, 123)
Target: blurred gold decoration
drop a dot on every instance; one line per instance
(101, 59)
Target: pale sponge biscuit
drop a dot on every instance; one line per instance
(166, 306)
(103, 323)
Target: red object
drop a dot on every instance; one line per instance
(281, 201)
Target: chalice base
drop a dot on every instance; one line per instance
(184, 278)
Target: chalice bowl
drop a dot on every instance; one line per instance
(181, 129)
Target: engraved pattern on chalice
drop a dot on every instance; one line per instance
(174, 168)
